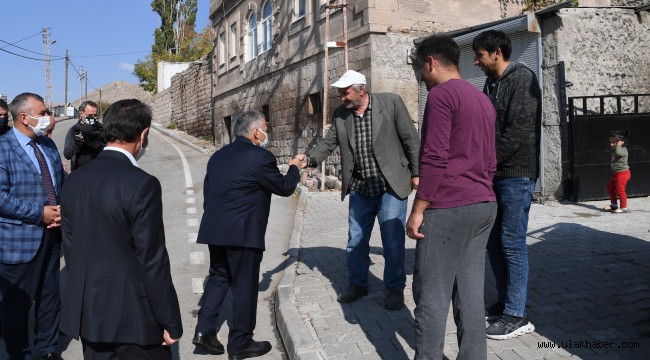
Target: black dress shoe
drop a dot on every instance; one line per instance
(209, 342)
(51, 356)
(254, 349)
(352, 293)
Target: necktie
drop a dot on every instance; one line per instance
(45, 174)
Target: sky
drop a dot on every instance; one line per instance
(93, 32)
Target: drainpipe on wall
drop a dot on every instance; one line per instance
(214, 136)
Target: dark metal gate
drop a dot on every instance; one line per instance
(591, 120)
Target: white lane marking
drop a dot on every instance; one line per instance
(192, 222)
(186, 167)
(191, 210)
(190, 201)
(197, 285)
(189, 192)
(191, 237)
(197, 258)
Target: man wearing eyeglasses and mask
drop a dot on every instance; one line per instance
(31, 177)
(84, 141)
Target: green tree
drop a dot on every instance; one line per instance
(175, 40)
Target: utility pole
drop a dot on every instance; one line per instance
(48, 77)
(65, 96)
(86, 78)
(82, 75)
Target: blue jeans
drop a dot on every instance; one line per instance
(391, 213)
(506, 246)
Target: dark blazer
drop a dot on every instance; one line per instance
(395, 142)
(237, 190)
(119, 287)
(22, 197)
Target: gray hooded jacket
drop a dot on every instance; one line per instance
(517, 99)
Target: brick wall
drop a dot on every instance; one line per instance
(605, 52)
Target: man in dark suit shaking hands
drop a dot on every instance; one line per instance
(237, 192)
(119, 298)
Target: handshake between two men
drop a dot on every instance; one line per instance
(301, 161)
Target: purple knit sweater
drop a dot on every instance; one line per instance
(457, 151)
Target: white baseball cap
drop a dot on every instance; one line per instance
(350, 78)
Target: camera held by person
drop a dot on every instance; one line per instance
(84, 140)
(88, 131)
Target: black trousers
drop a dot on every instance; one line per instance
(36, 281)
(113, 351)
(236, 269)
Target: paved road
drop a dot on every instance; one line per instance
(181, 169)
(589, 285)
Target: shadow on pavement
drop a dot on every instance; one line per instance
(589, 292)
(389, 332)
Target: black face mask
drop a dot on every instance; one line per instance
(4, 121)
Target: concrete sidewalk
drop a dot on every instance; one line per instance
(589, 288)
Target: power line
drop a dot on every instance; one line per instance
(28, 57)
(16, 42)
(79, 74)
(33, 52)
(77, 56)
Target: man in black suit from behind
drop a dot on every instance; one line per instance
(119, 298)
(237, 192)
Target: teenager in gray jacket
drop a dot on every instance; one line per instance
(515, 93)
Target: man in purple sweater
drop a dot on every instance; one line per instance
(454, 207)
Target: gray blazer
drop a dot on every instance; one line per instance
(395, 142)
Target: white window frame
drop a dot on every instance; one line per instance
(222, 49)
(251, 38)
(267, 26)
(233, 40)
(300, 6)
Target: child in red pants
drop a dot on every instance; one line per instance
(620, 173)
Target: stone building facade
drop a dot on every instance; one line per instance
(269, 56)
(605, 52)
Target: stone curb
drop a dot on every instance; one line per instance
(293, 330)
(170, 134)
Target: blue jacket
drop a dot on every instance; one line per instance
(22, 197)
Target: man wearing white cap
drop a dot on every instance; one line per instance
(379, 159)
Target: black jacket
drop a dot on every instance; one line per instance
(237, 190)
(517, 99)
(78, 152)
(119, 287)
